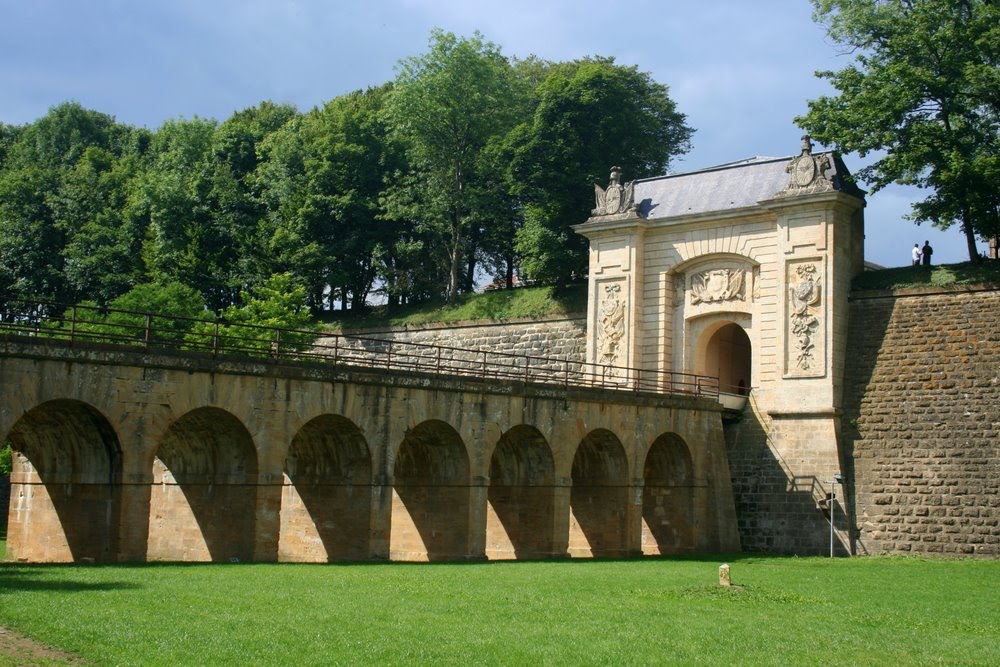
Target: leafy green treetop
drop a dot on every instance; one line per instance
(922, 89)
(446, 106)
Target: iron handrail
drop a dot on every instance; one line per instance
(94, 326)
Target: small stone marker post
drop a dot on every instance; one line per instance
(724, 578)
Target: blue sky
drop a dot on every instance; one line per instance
(739, 70)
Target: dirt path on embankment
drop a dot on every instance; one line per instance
(17, 649)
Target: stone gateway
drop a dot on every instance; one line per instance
(742, 272)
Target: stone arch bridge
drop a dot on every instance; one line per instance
(125, 454)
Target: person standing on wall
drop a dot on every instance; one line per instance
(927, 252)
(916, 254)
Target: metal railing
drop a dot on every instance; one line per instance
(104, 328)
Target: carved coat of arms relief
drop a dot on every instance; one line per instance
(804, 297)
(717, 285)
(611, 325)
(616, 198)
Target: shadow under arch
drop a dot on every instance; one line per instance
(521, 501)
(203, 499)
(431, 495)
(65, 485)
(668, 498)
(599, 497)
(326, 498)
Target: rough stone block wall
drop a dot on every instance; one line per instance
(922, 421)
(554, 342)
(778, 509)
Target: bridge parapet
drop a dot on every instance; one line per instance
(104, 328)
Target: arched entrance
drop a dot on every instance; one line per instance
(203, 500)
(668, 498)
(326, 497)
(519, 518)
(726, 353)
(599, 497)
(65, 485)
(430, 500)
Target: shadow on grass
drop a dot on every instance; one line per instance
(17, 578)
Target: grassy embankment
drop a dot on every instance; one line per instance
(946, 275)
(890, 611)
(524, 302)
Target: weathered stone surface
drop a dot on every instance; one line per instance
(554, 342)
(922, 421)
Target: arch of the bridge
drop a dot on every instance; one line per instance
(326, 498)
(668, 497)
(431, 495)
(203, 499)
(521, 496)
(65, 484)
(599, 497)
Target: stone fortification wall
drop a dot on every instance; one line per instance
(559, 340)
(921, 426)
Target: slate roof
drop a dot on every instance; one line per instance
(727, 186)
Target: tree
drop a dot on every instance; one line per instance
(31, 243)
(234, 196)
(171, 311)
(922, 88)
(445, 107)
(277, 303)
(54, 180)
(591, 114)
(181, 242)
(103, 258)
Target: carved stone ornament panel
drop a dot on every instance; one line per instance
(610, 325)
(617, 198)
(717, 285)
(806, 336)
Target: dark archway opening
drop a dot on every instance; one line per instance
(599, 497)
(519, 522)
(326, 499)
(203, 501)
(430, 504)
(728, 355)
(668, 498)
(65, 485)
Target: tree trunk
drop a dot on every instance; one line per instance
(970, 237)
(456, 253)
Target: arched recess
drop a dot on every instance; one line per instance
(326, 498)
(668, 498)
(520, 512)
(430, 499)
(599, 497)
(203, 501)
(65, 485)
(724, 351)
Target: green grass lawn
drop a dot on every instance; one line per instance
(891, 611)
